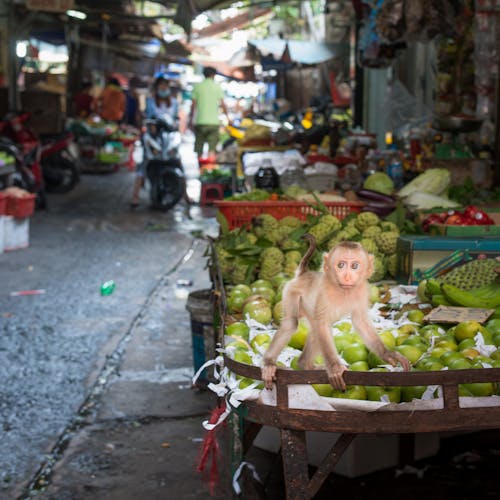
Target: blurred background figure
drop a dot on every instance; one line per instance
(207, 98)
(111, 103)
(132, 110)
(161, 101)
(82, 101)
(161, 104)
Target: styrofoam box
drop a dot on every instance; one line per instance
(367, 453)
(16, 232)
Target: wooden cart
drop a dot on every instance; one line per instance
(293, 423)
(250, 416)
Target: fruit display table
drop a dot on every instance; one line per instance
(448, 413)
(293, 423)
(455, 396)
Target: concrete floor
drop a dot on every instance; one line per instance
(96, 399)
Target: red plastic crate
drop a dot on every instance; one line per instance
(20, 207)
(240, 213)
(3, 204)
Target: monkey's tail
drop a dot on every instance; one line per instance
(304, 263)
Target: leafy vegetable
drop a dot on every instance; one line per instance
(433, 181)
(424, 201)
(379, 182)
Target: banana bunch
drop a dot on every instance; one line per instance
(487, 297)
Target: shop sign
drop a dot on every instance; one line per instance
(50, 5)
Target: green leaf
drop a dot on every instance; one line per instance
(223, 223)
(398, 216)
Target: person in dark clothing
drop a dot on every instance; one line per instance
(82, 101)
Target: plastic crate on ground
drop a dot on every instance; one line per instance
(20, 207)
(240, 213)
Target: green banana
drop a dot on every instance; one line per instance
(468, 298)
(439, 300)
(432, 287)
(487, 292)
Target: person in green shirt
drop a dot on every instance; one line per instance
(207, 97)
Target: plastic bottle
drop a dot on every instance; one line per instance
(266, 177)
(107, 287)
(394, 167)
(395, 170)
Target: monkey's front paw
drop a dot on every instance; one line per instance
(395, 357)
(335, 377)
(268, 375)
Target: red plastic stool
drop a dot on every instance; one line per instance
(210, 193)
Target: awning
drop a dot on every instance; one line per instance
(296, 51)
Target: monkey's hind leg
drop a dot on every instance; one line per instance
(310, 351)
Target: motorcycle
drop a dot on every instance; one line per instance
(28, 170)
(58, 163)
(163, 167)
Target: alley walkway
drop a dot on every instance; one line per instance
(96, 398)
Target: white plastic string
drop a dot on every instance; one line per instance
(208, 426)
(237, 474)
(218, 361)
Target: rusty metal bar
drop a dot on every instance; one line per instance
(450, 396)
(287, 376)
(251, 431)
(329, 462)
(281, 393)
(376, 422)
(295, 466)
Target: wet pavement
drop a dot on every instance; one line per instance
(96, 399)
(75, 365)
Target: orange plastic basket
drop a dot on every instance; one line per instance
(240, 213)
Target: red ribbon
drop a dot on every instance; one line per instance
(210, 445)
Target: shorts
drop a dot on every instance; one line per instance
(205, 134)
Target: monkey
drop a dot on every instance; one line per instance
(323, 297)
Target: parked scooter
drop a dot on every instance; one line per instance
(28, 174)
(164, 170)
(59, 165)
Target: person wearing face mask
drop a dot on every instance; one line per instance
(161, 102)
(158, 105)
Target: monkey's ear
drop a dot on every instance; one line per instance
(326, 256)
(369, 269)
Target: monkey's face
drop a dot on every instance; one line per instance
(347, 268)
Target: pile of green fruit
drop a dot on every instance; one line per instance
(270, 247)
(428, 347)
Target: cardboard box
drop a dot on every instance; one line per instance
(16, 233)
(422, 252)
(46, 110)
(367, 453)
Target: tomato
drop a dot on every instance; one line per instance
(432, 219)
(455, 219)
(470, 211)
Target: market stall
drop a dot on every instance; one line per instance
(257, 251)
(104, 146)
